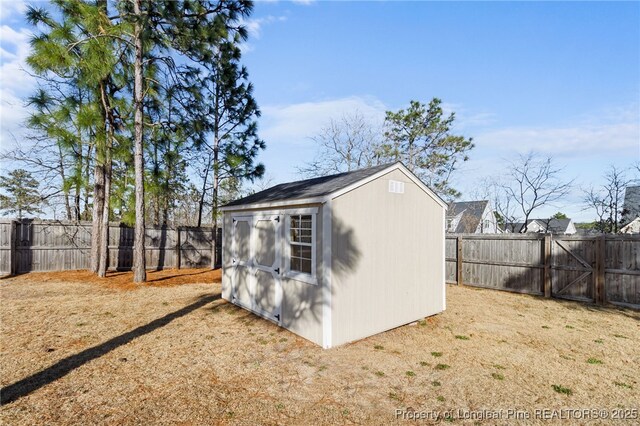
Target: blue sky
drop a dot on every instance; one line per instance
(562, 79)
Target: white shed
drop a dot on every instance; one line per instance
(338, 258)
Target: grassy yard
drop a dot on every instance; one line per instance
(76, 350)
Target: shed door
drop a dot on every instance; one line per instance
(241, 272)
(267, 294)
(255, 280)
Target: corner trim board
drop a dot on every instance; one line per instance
(327, 231)
(444, 261)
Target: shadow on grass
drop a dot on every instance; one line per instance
(150, 278)
(592, 307)
(65, 366)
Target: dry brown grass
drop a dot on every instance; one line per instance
(123, 280)
(216, 363)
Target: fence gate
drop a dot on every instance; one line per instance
(573, 263)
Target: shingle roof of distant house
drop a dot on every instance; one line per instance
(309, 188)
(513, 226)
(555, 226)
(631, 203)
(471, 217)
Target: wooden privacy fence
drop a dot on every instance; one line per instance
(40, 245)
(599, 269)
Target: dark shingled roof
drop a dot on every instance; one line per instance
(471, 217)
(556, 226)
(631, 208)
(308, 188)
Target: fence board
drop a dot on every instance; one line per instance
(517, 263)
(55, 245)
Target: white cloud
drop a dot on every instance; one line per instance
(254, 28)
(480, 119)
(15, 83)
(583, 149)
(12, 10)
(588, 138)
(295, 123)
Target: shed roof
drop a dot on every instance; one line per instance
(319, 187)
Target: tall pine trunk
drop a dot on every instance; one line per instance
(67, 204)
(98, 205)
(103, 264)
(87, 170)
(156, 182)
(108, 123)
(79, 160)
(216, 186)
(139, 262)
(203, 193)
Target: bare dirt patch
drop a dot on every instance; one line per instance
(76, 352)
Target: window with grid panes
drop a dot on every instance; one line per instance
(301, 242)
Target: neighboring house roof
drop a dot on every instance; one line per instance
(631, 206)
(471, 215)
(632, 227)
(310, 189)
(513, 227)
(583, 231)
(555, 226)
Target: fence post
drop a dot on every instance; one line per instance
(13, 251)
(547, 265)
(178, 247)
(601, 246)
(459, 280)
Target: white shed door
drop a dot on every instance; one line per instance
(241, 273)
(255, 280)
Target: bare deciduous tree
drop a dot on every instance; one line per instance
(533, 181)
(266, 181)
(504, 207)
(607, 200)
(347, 143)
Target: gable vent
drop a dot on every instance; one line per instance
(396, 187)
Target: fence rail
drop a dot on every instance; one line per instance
(599, 269)
(43, 245)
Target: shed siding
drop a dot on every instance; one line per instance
(301, 302)
(387, 258)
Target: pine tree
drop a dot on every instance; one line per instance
(79, 52)
(131, 73)
(23, 198)
(162, 31)
(230, 117)
(421, 137)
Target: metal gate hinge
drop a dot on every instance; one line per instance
(277, 271)
(277, 219)
(277, 317)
